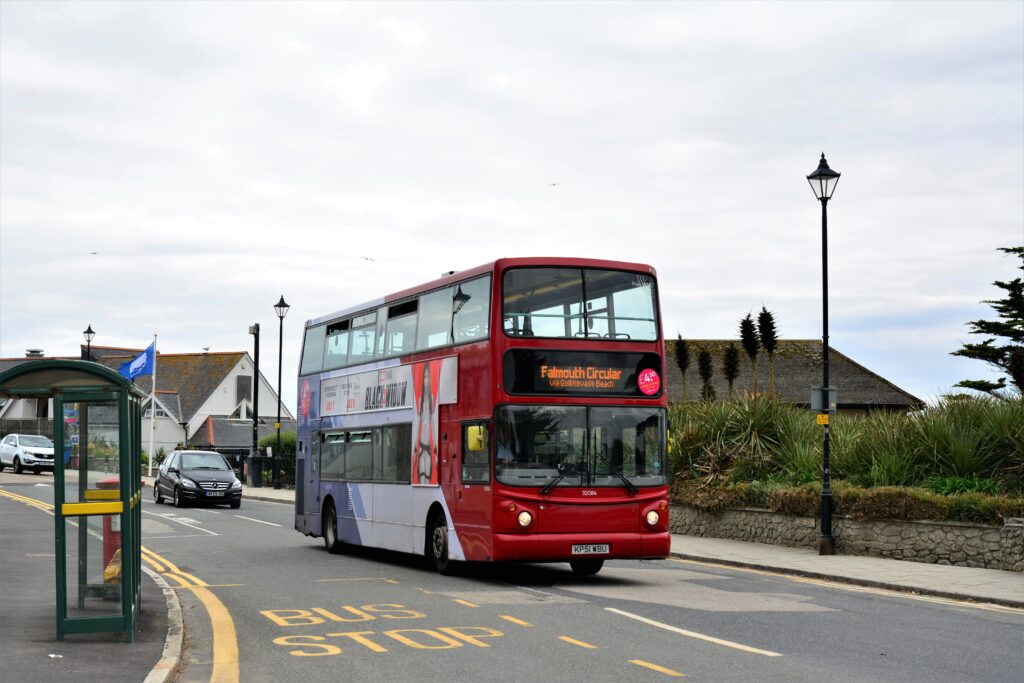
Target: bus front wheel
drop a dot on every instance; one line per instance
(437, 547)
(331, 530)
(586, 567)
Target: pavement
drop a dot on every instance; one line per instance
(28, 642)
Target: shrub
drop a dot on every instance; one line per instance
(948, 486)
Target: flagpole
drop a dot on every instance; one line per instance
(152, 413)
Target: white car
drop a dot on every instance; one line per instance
(26, 452)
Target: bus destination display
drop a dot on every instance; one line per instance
(538, 371)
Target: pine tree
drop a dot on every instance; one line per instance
(682, 359)
(706, 369)
(748, 337)
(1006, 354)
(769, 341)
(731, 365)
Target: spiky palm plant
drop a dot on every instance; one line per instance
(731, 365)
(682, 359)
(769, 341)
(705, 368)
(748, 337)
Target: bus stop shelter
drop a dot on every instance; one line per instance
(97, 417)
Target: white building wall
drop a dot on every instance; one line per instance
(223, 400)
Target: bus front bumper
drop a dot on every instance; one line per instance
(559, 547)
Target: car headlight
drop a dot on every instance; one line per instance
(525, 519)
(188, 483)
(653, 518)
(236, 484)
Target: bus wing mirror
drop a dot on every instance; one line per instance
(475, 440)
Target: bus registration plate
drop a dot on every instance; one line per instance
(600, 549)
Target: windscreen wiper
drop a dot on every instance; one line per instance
(564, 471)
(630, 486)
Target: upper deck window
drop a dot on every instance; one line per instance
(579, 304)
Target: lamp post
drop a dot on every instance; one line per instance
(281, 308)
(823, 181)
(255, 477)
(89, 334)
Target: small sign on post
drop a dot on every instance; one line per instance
(824, 400)
(823, 418)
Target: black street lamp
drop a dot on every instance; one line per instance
(255, 471)
(823, 181)
(89, 334)
(281, 308)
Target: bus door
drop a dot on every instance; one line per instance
(471, 500)
(312, 476)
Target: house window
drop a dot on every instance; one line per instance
(160, 412)
(42, 407)
(243, 388)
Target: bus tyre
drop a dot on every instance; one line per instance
(586, 567)
(331, 541)
(437, 546)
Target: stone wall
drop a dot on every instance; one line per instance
(968, 545)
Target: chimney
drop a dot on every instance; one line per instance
(33, 353)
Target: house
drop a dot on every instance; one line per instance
(798, 367)
(202, 400)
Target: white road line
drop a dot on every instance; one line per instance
(692, 634)
(169, 516)
(257, 520)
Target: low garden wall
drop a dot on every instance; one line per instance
(953, 543)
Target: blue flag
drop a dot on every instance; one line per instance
(141, 364)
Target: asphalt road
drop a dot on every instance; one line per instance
(247, 580)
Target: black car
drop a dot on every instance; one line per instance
(197, 477)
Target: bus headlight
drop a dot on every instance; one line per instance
(653, 518)
(525, 519)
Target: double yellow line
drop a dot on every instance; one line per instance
(38, 504)
(225, 639)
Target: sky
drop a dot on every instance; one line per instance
(172, 168)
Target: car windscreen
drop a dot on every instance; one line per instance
(203, 461)
(35, 442)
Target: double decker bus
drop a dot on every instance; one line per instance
(515, 411)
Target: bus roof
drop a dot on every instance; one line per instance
(499, 265)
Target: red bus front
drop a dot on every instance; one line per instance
(575, 453)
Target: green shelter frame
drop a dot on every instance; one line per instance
(97, 490)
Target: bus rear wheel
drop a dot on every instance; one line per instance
(586, 567)
(331, 541)
(437, 545)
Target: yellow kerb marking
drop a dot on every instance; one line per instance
(225, 641)
(655, 667)
(467, 603)
(516, 621)
(580, 643)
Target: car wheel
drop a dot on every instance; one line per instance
(178, 502)
(331, 541)
(586, 567)
(36, 470)
(157, 496)
(235, 504)
(437, 547)
(2, 465)
(18, 469)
